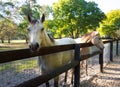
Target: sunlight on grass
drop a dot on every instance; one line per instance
(18, 41)
(15, 44)
(4, 67)
(25, 64)
(20, 65)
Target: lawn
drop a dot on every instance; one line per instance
(19, 65)
(15, 44)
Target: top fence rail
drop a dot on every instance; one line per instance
(13, 55)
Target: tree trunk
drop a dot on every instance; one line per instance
(8, 40)
(26, 38)
(2, 40)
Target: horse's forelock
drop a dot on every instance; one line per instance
(34, 21)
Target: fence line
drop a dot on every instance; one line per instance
(7, 56)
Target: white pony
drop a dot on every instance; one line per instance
(39, 38)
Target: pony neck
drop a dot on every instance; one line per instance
(46, 40)
(86, 38)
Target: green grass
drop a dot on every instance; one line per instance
(18, 41)
(15, 44)
(19, 65)
(4, 67)
(25, 64)
(14, 41)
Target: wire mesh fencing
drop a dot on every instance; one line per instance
(16, 72)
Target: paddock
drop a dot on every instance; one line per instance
(14, 70)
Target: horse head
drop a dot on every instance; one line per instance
(36, 30)
(96, 40)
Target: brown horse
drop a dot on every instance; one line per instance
(94, 38)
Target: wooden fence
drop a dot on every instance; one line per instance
(8, 56)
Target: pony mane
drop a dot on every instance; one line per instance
(51, 38)
(86, 36)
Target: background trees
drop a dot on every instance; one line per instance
(66, 18)
(74, 17)
(8, 29)
(111, 25)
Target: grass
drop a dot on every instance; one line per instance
(27, 64)
(14, 41)
(15, 44)
(19, 65)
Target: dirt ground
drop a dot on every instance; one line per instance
(110, 77)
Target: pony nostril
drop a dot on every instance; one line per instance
(30, 46)
(37, 45)
(102, 48)
(34, 47)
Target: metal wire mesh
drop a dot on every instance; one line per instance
(14, 73)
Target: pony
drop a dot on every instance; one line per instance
(38, 38)
(94, 38)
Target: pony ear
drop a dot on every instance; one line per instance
(43, 18)
(29, 18)
(96, 32)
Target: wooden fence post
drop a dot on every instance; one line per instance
(117, 47)
(111, 50)
(77, 68)
(101, 61)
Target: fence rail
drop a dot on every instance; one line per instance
(7, 56)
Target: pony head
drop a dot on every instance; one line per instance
(96, 40)
(36, 30)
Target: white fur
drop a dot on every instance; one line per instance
(53, 61)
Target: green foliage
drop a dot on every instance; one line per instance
(110, 24)
(22, 29)
(5, 8)
(71, 18)
(8, 29)
(30, 8)
(74, 17)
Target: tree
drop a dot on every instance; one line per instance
(22, 29)
(110, 24)
(74, 17)
(5, 8)
(8, 29)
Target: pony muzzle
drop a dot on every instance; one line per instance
(34, 47)
(102, 48)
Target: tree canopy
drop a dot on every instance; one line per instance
(110, 24)
(74, 17)
(66, 18)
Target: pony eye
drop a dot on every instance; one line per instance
(29, 29)
(42, 29)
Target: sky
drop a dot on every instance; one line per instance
(104, 5)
